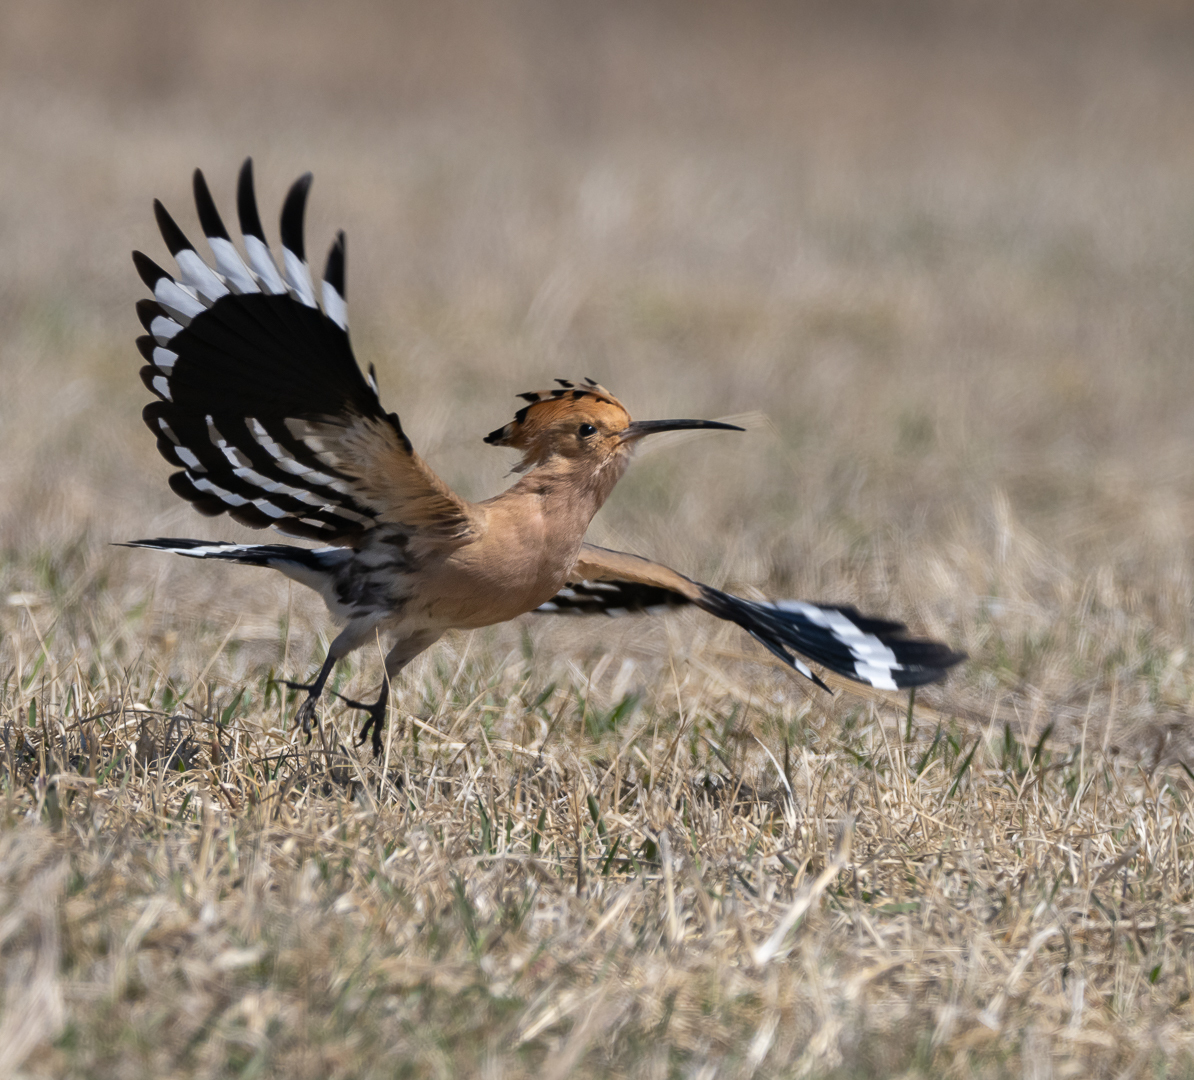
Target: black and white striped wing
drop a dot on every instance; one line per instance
(613, 598)
(261, 401)
(876, 652)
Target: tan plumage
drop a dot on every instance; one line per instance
(262, 405)
(385, 471)
(600, 564)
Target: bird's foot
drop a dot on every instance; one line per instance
(375, 722)
(305, 717)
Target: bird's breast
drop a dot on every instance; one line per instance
(521, 560)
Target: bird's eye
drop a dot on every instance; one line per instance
(585, 430)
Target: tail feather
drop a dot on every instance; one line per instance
(877, 652)
(872, 651)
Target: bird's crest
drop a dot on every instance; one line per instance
(547, 407)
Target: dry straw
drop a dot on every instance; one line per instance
(544, 881)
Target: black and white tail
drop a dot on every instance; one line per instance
(877, 652)
(872, 651)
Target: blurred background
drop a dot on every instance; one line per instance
(937, 256)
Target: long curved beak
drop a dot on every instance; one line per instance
(639, 428)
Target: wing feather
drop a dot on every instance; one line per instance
(261, 401)
(601, 564)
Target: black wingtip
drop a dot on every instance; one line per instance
(148, 373)
(175, 239)
(246, 203)
(150, 272)
(333, 272)
(209, 216)
(147, 311)
(293, 210)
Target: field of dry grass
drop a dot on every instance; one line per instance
(937, 258)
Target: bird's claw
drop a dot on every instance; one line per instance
(376, 717)
(306, 716)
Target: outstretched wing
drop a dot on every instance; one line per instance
(871, 651)
(261, 402)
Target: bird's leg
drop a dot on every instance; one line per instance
(377, 714)
(306, 711)
(403, 651)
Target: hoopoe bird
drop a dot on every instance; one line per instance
(262, 406)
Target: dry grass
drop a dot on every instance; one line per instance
(937, 257)
(541, 882)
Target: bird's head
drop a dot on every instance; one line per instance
(581, 424)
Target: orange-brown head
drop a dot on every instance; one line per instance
(579, 421)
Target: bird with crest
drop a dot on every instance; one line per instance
(261, 405)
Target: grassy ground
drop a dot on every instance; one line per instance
(935, 258)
